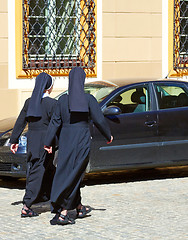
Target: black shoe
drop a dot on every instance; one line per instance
(64, 220)
(81, 213)
(53, 221)
(29, 213)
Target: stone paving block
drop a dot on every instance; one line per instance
(145, 210)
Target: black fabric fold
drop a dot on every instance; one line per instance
(43, 81)
(77, 97)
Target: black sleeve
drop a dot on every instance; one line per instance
(98, 118)
(54, 126)
(52, 109)
(20, 124)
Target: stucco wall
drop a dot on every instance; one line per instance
(132, 39)
(4, 43)
(8, 98)
(131, 46)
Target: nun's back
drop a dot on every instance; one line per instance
(74, 148)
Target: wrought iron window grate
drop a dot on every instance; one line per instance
(59, 34)
(180, 53)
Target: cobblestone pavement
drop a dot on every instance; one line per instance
(133, 210)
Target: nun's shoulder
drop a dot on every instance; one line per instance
(63, 97)
(90, 97)
(26, 104)
(51, 100)
(27, 101)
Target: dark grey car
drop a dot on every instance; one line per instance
(149, 122)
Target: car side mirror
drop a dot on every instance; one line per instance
(112, 110)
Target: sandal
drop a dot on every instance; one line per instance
(53, 221)
(64, 220)
(29, 213)
(81, 213)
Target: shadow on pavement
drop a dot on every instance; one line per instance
(103, 178)
(112, 177)
(45, 207)
(12, 183)
(136, 175)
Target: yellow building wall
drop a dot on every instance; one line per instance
(4, 43)
(131, 47)
(9, 103)
(132, 39)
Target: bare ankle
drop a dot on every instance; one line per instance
(25, 207)
(79, 206)
(64, 212)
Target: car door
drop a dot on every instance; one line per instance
(173, 122)
(135, 134)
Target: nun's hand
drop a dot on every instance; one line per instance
(110, 140)
(48, 148)
(14, 147)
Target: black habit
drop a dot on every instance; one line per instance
(71, 118)
(74, 148)
(40, 169)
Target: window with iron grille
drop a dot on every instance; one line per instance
(180, 55)
(59, 34)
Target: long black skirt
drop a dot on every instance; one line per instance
(73, 156)
(40, 173)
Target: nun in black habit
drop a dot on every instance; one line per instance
(72, 116)
(37, 112)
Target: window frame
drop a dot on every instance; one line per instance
(171, 38)
(143, 85)
(20, 73)
(181, 85)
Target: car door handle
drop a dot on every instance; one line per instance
(150, 123)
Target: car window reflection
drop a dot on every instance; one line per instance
(171, 96)
(134, 100)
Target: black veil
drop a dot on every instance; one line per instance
(43, 81)
(77, 98)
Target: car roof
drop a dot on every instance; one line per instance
(6, 124)
(128, 81)
(101, 83)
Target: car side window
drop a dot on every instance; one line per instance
(132, 100)
(171, 96)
